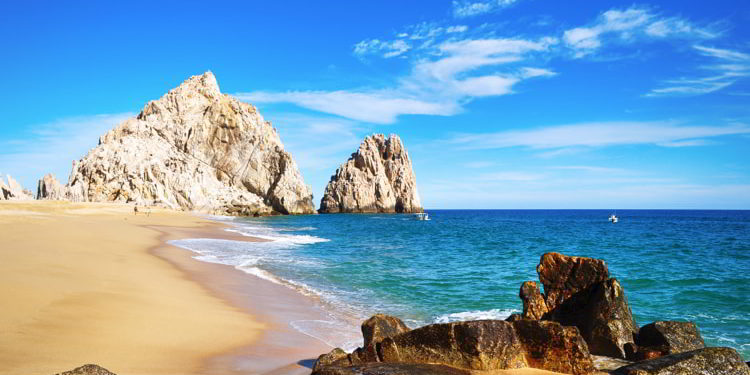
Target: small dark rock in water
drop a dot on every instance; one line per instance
(670, 337)
(392, 369)
(377, 328)
(564, 276)
(712, 361)
(602, 314)
(87, 370)
(534, 306)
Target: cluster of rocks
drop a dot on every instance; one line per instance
(582, 313)
(87, 370)
(377, 178)
(200, 150)
(13, 190)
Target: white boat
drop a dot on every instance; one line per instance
(422, 216)
(613, 218)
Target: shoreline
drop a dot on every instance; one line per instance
(92, 283)
(280, 348)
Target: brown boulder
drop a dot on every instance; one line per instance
(87, 370)
(475, 345)
(553, 347)
(670, 337)
(603, 316)
(392, 369)
(336, 357)
(713, 361)
(563, 276)
(374, 330)
(492, 345)
(534, 306)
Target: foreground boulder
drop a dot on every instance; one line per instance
(87, 370)
(466, 346)
(603, 315)
(563, 276)
(194, 149)
(50, 189)
(377, 178)
(534, 306)
(713, 361)
(665, 337)
(391, 369)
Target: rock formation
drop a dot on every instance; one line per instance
(714, 361)
(474, 345)
(13, 190)
(534, 306)
(87, 370)
(51, 189)
(194, 149)
(377, 178)
(664, 338)
(564, 276)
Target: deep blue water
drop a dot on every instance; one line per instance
(469, 264)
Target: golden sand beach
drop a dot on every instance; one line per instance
(79, 284)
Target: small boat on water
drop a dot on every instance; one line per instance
(422, 216)
(613, 218)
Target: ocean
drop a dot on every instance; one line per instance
(469, 264)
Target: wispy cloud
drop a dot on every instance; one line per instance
(53, 146)
(439, 83)
(597, 135)
(629, 25)
(470, 8)
(729, 67)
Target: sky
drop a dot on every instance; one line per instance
(500, 103)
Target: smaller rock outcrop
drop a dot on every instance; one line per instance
(563, 276)
(50, 189)
(665, 337)
(377, 178)
(13, 190)
(375, 330)
(534, 306)
(87, 370)
(714, 361)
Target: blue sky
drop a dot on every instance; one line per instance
(501, 104)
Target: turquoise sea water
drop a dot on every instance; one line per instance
(469, 264)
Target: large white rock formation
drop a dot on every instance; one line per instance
(13, 190)
(193, 149)
(377, 178)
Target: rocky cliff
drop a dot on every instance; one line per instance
(377, 178)
(13, 190)
(193, 149)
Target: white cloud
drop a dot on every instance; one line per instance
(53, 146)
(387, 49)
(437, 85)
(456, 29)
(375, 106)
(724, 54)
(722, 74)
(469, 8)
(628, 25)
(597, 135)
